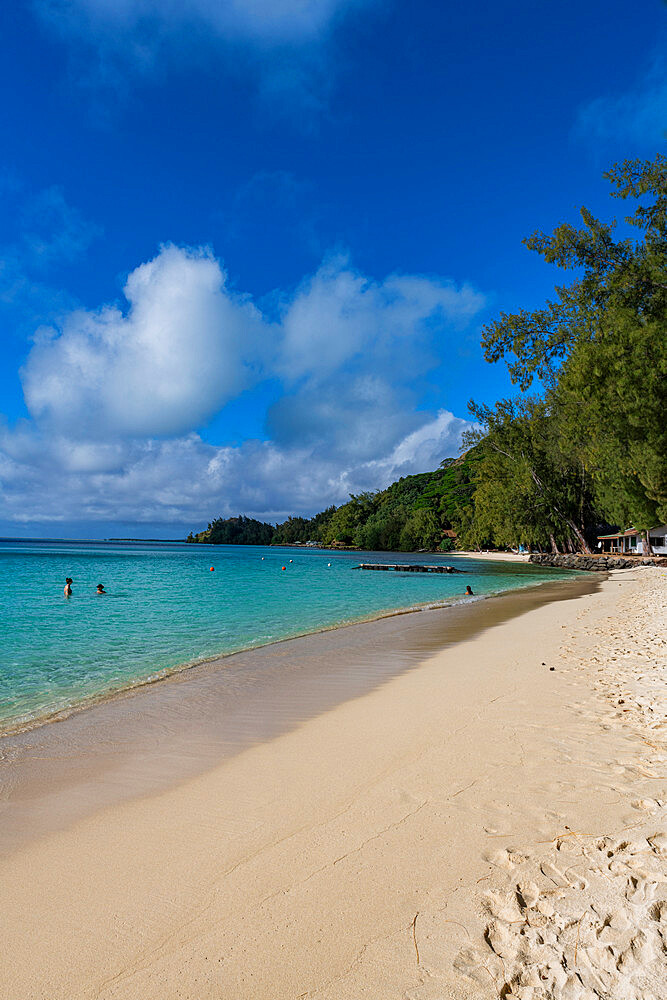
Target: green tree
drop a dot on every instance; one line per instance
(420, 531)
(382, 531)
(613, 408)
(529, 491)
(600, 346)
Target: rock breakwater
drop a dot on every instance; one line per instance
(595, 563)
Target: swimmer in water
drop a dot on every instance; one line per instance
(100, 588)
(469, 592)
(67, 590)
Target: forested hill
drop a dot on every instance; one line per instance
(416, 512)
(235, 531)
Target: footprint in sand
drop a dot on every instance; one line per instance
(646, 805)
(528, 893)
(555, 874)
(503, 906)
(473, 963)
(640, 890)
(505, 858)
(659, 843)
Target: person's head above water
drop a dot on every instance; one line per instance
(68, 579)
(469, 591)
(100, 588)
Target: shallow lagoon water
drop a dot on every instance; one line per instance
(165, 608)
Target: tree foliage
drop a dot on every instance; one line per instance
(235, 531)
(599, 348)
(530, 492)
(627, 274)
(412, 513)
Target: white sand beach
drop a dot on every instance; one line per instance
(491, 823)
(494, 556)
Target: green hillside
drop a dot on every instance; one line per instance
(416, 512)
(235, 531)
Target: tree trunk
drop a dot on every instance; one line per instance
(580, 538)
(647, 548)
(554, 547)
(570, 523)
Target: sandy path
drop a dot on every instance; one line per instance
(376, 850)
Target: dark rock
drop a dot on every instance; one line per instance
(594, 563)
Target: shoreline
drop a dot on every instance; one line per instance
(479, 824)
(201, 715)
(14, 726)
(375, 849)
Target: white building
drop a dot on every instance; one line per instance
(630, 542)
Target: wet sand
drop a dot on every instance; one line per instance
(464, 823)
(149, 738)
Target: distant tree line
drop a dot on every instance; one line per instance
(235, 531)
(547, 469)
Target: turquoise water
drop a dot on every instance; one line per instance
(165, 608)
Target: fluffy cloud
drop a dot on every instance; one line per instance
(187, 481)
(424, 448)
(339, 314)
(117, 397)
(184, 347)
(348, 418)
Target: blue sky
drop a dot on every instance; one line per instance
(246, 249)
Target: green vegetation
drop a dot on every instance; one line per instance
(413, 513)
(235, 531)
(593, 447)
(588, 450)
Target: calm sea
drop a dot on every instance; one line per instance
(165, 608)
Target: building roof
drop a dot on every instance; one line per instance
(662, 528)
(620, 534)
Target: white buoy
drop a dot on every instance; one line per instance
(328, 564)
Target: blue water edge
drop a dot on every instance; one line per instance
(165, 608)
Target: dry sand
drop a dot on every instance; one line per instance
(479, 827)
(494, 556)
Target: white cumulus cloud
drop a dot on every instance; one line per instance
(187, 481)
(339, 314)
(118, 397)
(184, 346)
